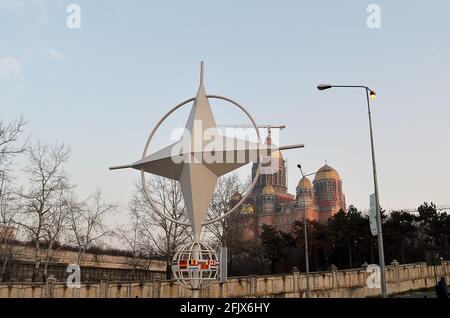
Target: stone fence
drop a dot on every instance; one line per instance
(332, 284)
(94, 267)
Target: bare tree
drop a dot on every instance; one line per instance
(47, 178)
(164, 198)
(87, 222)
(226, 231)
(9, 146)
(9, 210)
(55, 225)
(9, 139)
(132, 236)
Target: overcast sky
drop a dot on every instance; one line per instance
(102, 88)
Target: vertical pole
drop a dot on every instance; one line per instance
(308, 288)
(434, 268)
(223, 264)
(1, 192)
(202, 69)
(1, 185)
(196, 293)
(435, 275)
(377, 206)
(305, 229)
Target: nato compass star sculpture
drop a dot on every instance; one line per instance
(200, 157)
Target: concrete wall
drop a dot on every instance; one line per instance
(94, 267)
(333, 284)
(26, 253)
(22, 271)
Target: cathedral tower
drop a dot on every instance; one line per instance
(305, 200)
(277, 179)
(328, 193)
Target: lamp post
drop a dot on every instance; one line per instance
(305, 230)
(370, 94)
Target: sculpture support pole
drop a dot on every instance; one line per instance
(196, 293)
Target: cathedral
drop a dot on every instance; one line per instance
(271, 204)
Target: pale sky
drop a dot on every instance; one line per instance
(103, 87)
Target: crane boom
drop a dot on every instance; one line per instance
(281, 127)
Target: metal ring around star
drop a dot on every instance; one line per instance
(252, 185)
(144, 184)
(259, 163)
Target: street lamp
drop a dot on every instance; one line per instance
(370, 94)
(305, 230)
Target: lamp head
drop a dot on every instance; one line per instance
(373, 95)
(299, 166)
(322, 87)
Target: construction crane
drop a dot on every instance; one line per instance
(268, 127)
(269, 134)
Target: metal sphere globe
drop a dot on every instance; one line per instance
(195, 265)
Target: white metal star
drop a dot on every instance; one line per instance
(197, 161)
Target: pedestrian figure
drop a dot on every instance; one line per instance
(441, 289)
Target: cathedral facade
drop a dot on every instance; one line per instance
(271, 204)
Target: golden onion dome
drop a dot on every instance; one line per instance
(236, 197)
(248, 209)
(326, 172)
(304, 183)
(268, 189)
